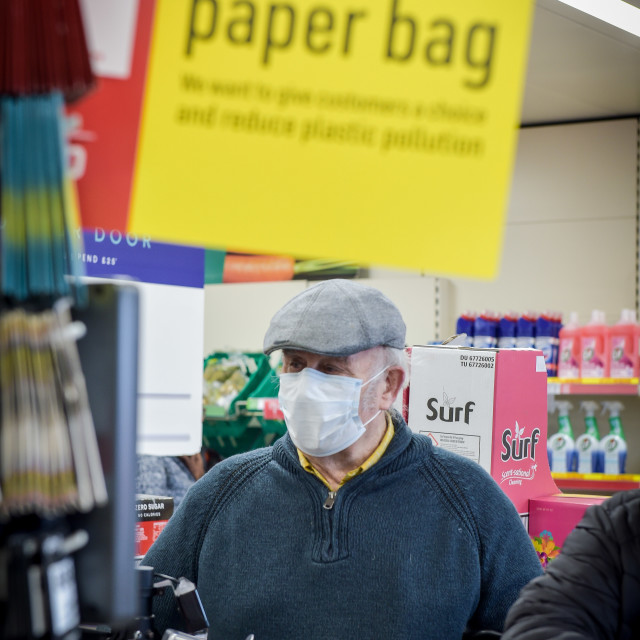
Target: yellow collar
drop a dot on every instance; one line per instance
(367, 464)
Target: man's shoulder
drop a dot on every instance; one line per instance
(236, 466)
(426, 453)
(463, 483)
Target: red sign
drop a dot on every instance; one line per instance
(104, 137)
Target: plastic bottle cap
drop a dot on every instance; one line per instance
(627, 316)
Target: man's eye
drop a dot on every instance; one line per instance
(332, 371)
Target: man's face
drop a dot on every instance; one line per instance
(363, 365)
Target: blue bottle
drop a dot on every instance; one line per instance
(465, 324)
(485, 330)
(526, 331)
(555, 346)
(544, 338)
(507, 330)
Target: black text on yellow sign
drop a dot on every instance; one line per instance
(296, 126)
(408, 37)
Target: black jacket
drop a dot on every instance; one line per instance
(592, 589)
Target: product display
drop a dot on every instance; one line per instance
(526, 331)
(225, 377)
(561, 447)
(569, 357)
(547, 330)
(571, 351)
(489, 330)
(594, 341)
(43, 48)
(238, 394)
(614, 445)
(590, 457)
(507, 329)
(597, 350)
(465, 325)
(485, 330)
(50, 463)
(624, 345)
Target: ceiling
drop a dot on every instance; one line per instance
(579, 68)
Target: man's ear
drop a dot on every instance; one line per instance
(393, 385)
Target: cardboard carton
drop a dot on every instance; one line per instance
(553, 518)
(488, 405)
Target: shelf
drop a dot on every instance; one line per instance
(599, 482)
(266, 408)
(594, 386)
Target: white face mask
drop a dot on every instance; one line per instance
(321, 411)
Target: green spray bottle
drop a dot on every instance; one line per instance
(614, 445)
(561, 447)
(588, 444)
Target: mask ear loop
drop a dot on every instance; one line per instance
(379, 411)
(374, 377)
(372, 418)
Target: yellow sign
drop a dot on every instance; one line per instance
(378, 131)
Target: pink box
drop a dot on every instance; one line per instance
(553, 518)
(489, 405)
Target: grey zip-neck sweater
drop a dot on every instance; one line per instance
(422, 545)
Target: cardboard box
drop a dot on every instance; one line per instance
(152, 514)
(553, 518)
(489, 405)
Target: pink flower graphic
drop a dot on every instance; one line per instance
(546, 548)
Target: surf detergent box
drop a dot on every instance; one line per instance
(488, 405)
(553, 518)
(152, 515)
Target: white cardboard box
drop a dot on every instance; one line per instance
(488, 405)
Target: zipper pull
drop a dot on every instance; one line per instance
(331, 498)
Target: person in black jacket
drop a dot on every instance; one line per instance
(592, 589)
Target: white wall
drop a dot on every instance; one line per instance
(570, 238)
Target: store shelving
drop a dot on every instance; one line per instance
(596, 482)
(594, 386)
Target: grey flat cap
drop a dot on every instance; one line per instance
(336, 318)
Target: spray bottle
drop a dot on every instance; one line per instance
(624, 354)
(588, 444)
(561, 447)
(614, 445)
(594, 347)
(569, 350)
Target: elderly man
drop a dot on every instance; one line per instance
(350, 526)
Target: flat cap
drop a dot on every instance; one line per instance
(336, 318)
